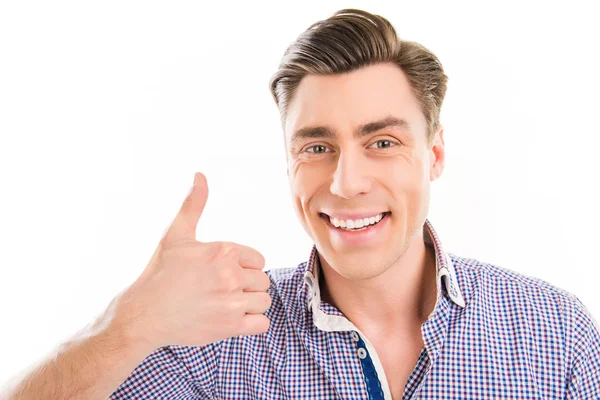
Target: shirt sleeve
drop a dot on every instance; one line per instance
(584, 382)
(173, 372)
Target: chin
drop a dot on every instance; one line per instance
(365, 267)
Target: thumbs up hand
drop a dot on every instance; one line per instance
(193, 293)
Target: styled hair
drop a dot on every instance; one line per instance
(351, 39)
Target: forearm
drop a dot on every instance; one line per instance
(91, 365)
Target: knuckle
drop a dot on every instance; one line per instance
(223, 274)
(229, 281)
(235, 286)
(225, 249)
(233, 277)
(237, 305)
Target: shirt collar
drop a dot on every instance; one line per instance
(309, 293)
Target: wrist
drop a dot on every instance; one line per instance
(123, 326)
(117, 331)
(126, 339)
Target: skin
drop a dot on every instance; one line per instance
(158, 309)
(388, 282)
(385, 286)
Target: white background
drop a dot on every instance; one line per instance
(108, 108)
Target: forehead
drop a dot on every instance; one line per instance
(345, 101)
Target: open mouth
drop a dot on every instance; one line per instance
(355, 225)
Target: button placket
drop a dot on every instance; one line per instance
(374, 388)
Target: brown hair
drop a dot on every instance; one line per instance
(349, 40)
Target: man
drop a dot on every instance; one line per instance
(379, 310)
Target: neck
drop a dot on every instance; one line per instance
(404, 295)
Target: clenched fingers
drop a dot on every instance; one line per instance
(254, 324)
(255, 280)
(257, 302)
(250, 258)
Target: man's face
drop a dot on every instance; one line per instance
(358, 157)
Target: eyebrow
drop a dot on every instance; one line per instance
(314, 132)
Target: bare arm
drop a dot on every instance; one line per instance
(190, 294)
(91, 365)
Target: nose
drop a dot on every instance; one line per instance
(349, 178)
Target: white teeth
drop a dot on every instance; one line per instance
(355, 224)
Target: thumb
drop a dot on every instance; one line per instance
(185, 222)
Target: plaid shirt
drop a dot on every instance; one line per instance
(493, 334)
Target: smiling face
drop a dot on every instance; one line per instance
(360, 166)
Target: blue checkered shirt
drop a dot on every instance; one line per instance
(493, 334)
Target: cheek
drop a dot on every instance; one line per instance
(305, 180)
(406, 169)
(408, 181)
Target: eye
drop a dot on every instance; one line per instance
(383, 144)
(316, 149)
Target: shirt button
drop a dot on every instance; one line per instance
(362, 353)
(354, 336)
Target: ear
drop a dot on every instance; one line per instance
(437, 154)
